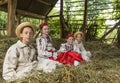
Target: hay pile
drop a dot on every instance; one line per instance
(104, 67)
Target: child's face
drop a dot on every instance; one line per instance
(45, 30)
(26, 35)
(70, 40)
(79, 37)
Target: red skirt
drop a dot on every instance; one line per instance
(69, 58)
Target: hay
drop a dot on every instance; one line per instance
(104, 67)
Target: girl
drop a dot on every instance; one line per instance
(21, 56)
(78, 41)
(69, 53)
(46, 52)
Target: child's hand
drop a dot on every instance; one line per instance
(55, 55)
(58, 53)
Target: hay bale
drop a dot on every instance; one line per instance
(104, 67)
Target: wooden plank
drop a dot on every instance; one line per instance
(118, 37)
(30, 14)
(46, 3)
(3, 9)
(25, 13)
(114, 27)
(61, 20)
(83, 28)
(101, 3)
(11, 17)
(74, 1)
(18, 19)
(53, 16)
(50, 8)
(3, 2)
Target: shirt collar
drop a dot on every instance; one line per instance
(68, 44)
(44, 35)
(22, 45)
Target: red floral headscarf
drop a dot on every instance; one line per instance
(69, 35)
(43, 24)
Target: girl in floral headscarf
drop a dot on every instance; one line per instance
(69, 52)
(46, 52)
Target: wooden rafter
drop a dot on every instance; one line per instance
(49, 9)
(2, 2)
(42, 1)
(3, 9)
(22, 12)
(116, 25)
(53, 16)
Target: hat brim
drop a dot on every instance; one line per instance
(81, 33)
(22, 25)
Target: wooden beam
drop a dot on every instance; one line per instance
(3, 9)
(24, 13)
(118, 37)
(11, 17)
(18, 19)
(53, 16)
(3, 2)
(83, 28)
(61, 17)
(42, 1)
(51, 7)
(116, 25)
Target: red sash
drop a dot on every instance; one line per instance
(69, 57)
(52, 58)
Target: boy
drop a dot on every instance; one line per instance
(21, 56)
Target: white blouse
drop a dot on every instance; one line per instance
(44, 48)
(19, 60)
(68, 47)
(85, 54)
(44, 45)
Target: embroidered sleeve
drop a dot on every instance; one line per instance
(81, 47)
(41, 48)
(62, 48)
(76, 48)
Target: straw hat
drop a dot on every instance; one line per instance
(22, 25)
(81, 33)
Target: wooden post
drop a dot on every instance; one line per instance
(83, 28)
(61, 20)
(18, 19)
(46, 18)
(118, 37)
(114, 27)
(11, 17)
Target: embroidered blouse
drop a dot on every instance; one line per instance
(44, 46)
(68, 47)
